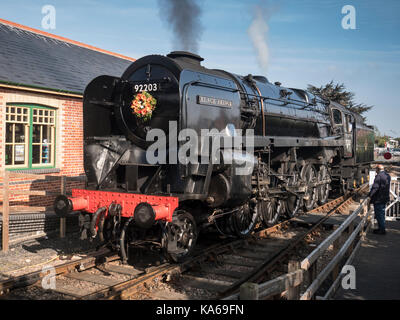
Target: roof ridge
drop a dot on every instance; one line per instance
(53, 36)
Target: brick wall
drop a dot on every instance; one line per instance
(69, 147)
(71, 151)
(2, 108)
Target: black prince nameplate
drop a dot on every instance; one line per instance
(210, 101)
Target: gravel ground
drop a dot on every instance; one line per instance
(158, 290)
(32, 255)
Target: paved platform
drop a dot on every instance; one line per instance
(377, 265)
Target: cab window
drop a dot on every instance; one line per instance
(337, 116)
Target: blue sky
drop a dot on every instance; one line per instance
(306, 41)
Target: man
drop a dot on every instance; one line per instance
(379, 197)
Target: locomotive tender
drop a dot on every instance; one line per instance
(302, 148)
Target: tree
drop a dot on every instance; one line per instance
(337, 93)
(376, 131)
(381, 140)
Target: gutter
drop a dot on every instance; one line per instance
(33, 88)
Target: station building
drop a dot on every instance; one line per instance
(42, 80)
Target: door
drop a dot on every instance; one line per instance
(349, 136)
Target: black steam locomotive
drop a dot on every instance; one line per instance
(289, 150)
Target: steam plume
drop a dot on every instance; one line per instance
(257, 32)
(184, 18)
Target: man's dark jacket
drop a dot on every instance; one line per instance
(380, 189)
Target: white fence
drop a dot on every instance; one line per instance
(392, 211)
(345, 240)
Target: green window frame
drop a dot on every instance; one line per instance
(30, 137)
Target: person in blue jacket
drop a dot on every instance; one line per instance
(380, 196)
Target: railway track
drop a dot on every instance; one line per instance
(215, 272)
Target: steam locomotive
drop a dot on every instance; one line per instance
(294, 148)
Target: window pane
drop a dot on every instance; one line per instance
(46, 153)
(337, 116)
(46, 134)
(25, 111)
(36, 133)
(19, 154)
(19, 110)
(8, 155)
(19, 133)
(9, 132)
(36, 154)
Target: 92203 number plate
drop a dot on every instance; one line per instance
(148, 87)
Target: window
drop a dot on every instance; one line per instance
(349, 123)
(17, 125)
(337, 116)
(30, 135)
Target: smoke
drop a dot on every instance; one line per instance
(184, 18)
(258, 33)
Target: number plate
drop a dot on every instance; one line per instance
(148, 87)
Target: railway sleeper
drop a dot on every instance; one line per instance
(94, 278)
(239, 261)
(204, 283)
(225, 273)
(251, 255)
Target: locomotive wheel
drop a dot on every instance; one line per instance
(293, 202)
(293, 205)
(323, 190)
(244, 220)
(270, 212)
(180, 236)
(309, 175)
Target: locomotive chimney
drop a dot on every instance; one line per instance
(185, 56)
